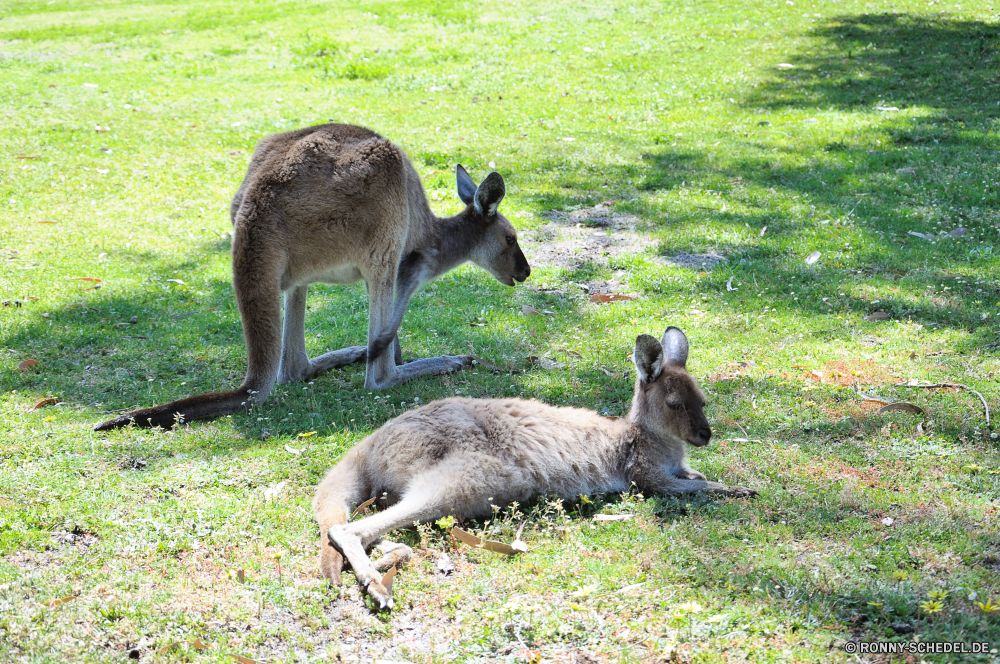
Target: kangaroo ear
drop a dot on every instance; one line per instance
(648, 358)
(489, 194)
(466, 185)
(675, 346)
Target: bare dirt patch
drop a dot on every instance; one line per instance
(591, 235)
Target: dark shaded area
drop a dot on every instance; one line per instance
(946, 65)
(898, 174)
(950, 65)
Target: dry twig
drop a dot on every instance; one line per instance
(929, 386)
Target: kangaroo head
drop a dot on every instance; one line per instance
(497, 251)
(667, 399)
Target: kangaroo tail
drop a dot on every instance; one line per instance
(201, 407)
(343, 486)
(255, 282)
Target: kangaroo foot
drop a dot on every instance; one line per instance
(381, 596)
(739, 492)
(393, 554)
(338, 358)
(331, 562)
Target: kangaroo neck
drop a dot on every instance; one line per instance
(447, 242)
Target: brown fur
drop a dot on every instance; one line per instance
(461, 456)
(337, 203)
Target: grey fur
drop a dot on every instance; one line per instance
(338, 203)
(461, 456)
(675, 346)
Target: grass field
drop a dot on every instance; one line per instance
(689, 154)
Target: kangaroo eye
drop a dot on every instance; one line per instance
(511, 240)
(675, 406)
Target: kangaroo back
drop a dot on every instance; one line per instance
(339, 204)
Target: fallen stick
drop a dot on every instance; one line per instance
(955, 385)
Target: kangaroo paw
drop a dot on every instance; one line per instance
(456, 362)
(397, 554)
(739, 492)
(381, 596)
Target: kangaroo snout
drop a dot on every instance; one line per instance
(701, 438)
(522, 275)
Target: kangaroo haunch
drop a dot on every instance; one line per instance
(462, 456)
(337, 203)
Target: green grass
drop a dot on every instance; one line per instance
(702, 123)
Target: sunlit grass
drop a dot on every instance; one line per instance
(734, 139)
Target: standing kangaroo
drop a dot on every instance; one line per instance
(337, 203)
(461, 456)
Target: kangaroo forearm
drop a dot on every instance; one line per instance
(673, 486)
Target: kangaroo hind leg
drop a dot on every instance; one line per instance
(342, 487)
(424, 501)
(295, 363)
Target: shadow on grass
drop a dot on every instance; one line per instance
(920, 168)
(944, 68)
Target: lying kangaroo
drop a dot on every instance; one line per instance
(460, 456)
(337, 203)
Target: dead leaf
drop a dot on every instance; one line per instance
(872, 399)
(607, 372)
(168, 646)
(473, 541)
(198, 645)
(45, 222)
(241, 576)
(529, 310)
(888, 521)
(91, 279)
(878, 315)
(363, 505)
(729, 285)
(958, 232)
(813, 257)
(922, 236)
(42, 403)
(601, 298)
(27, 364)
(387, 579)
(762, 231)
(61, 600)
(243, 660)
(613, 517)
(817, 375)
(175, 281)
(485, 364)
(292, 450)
(901, 405)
